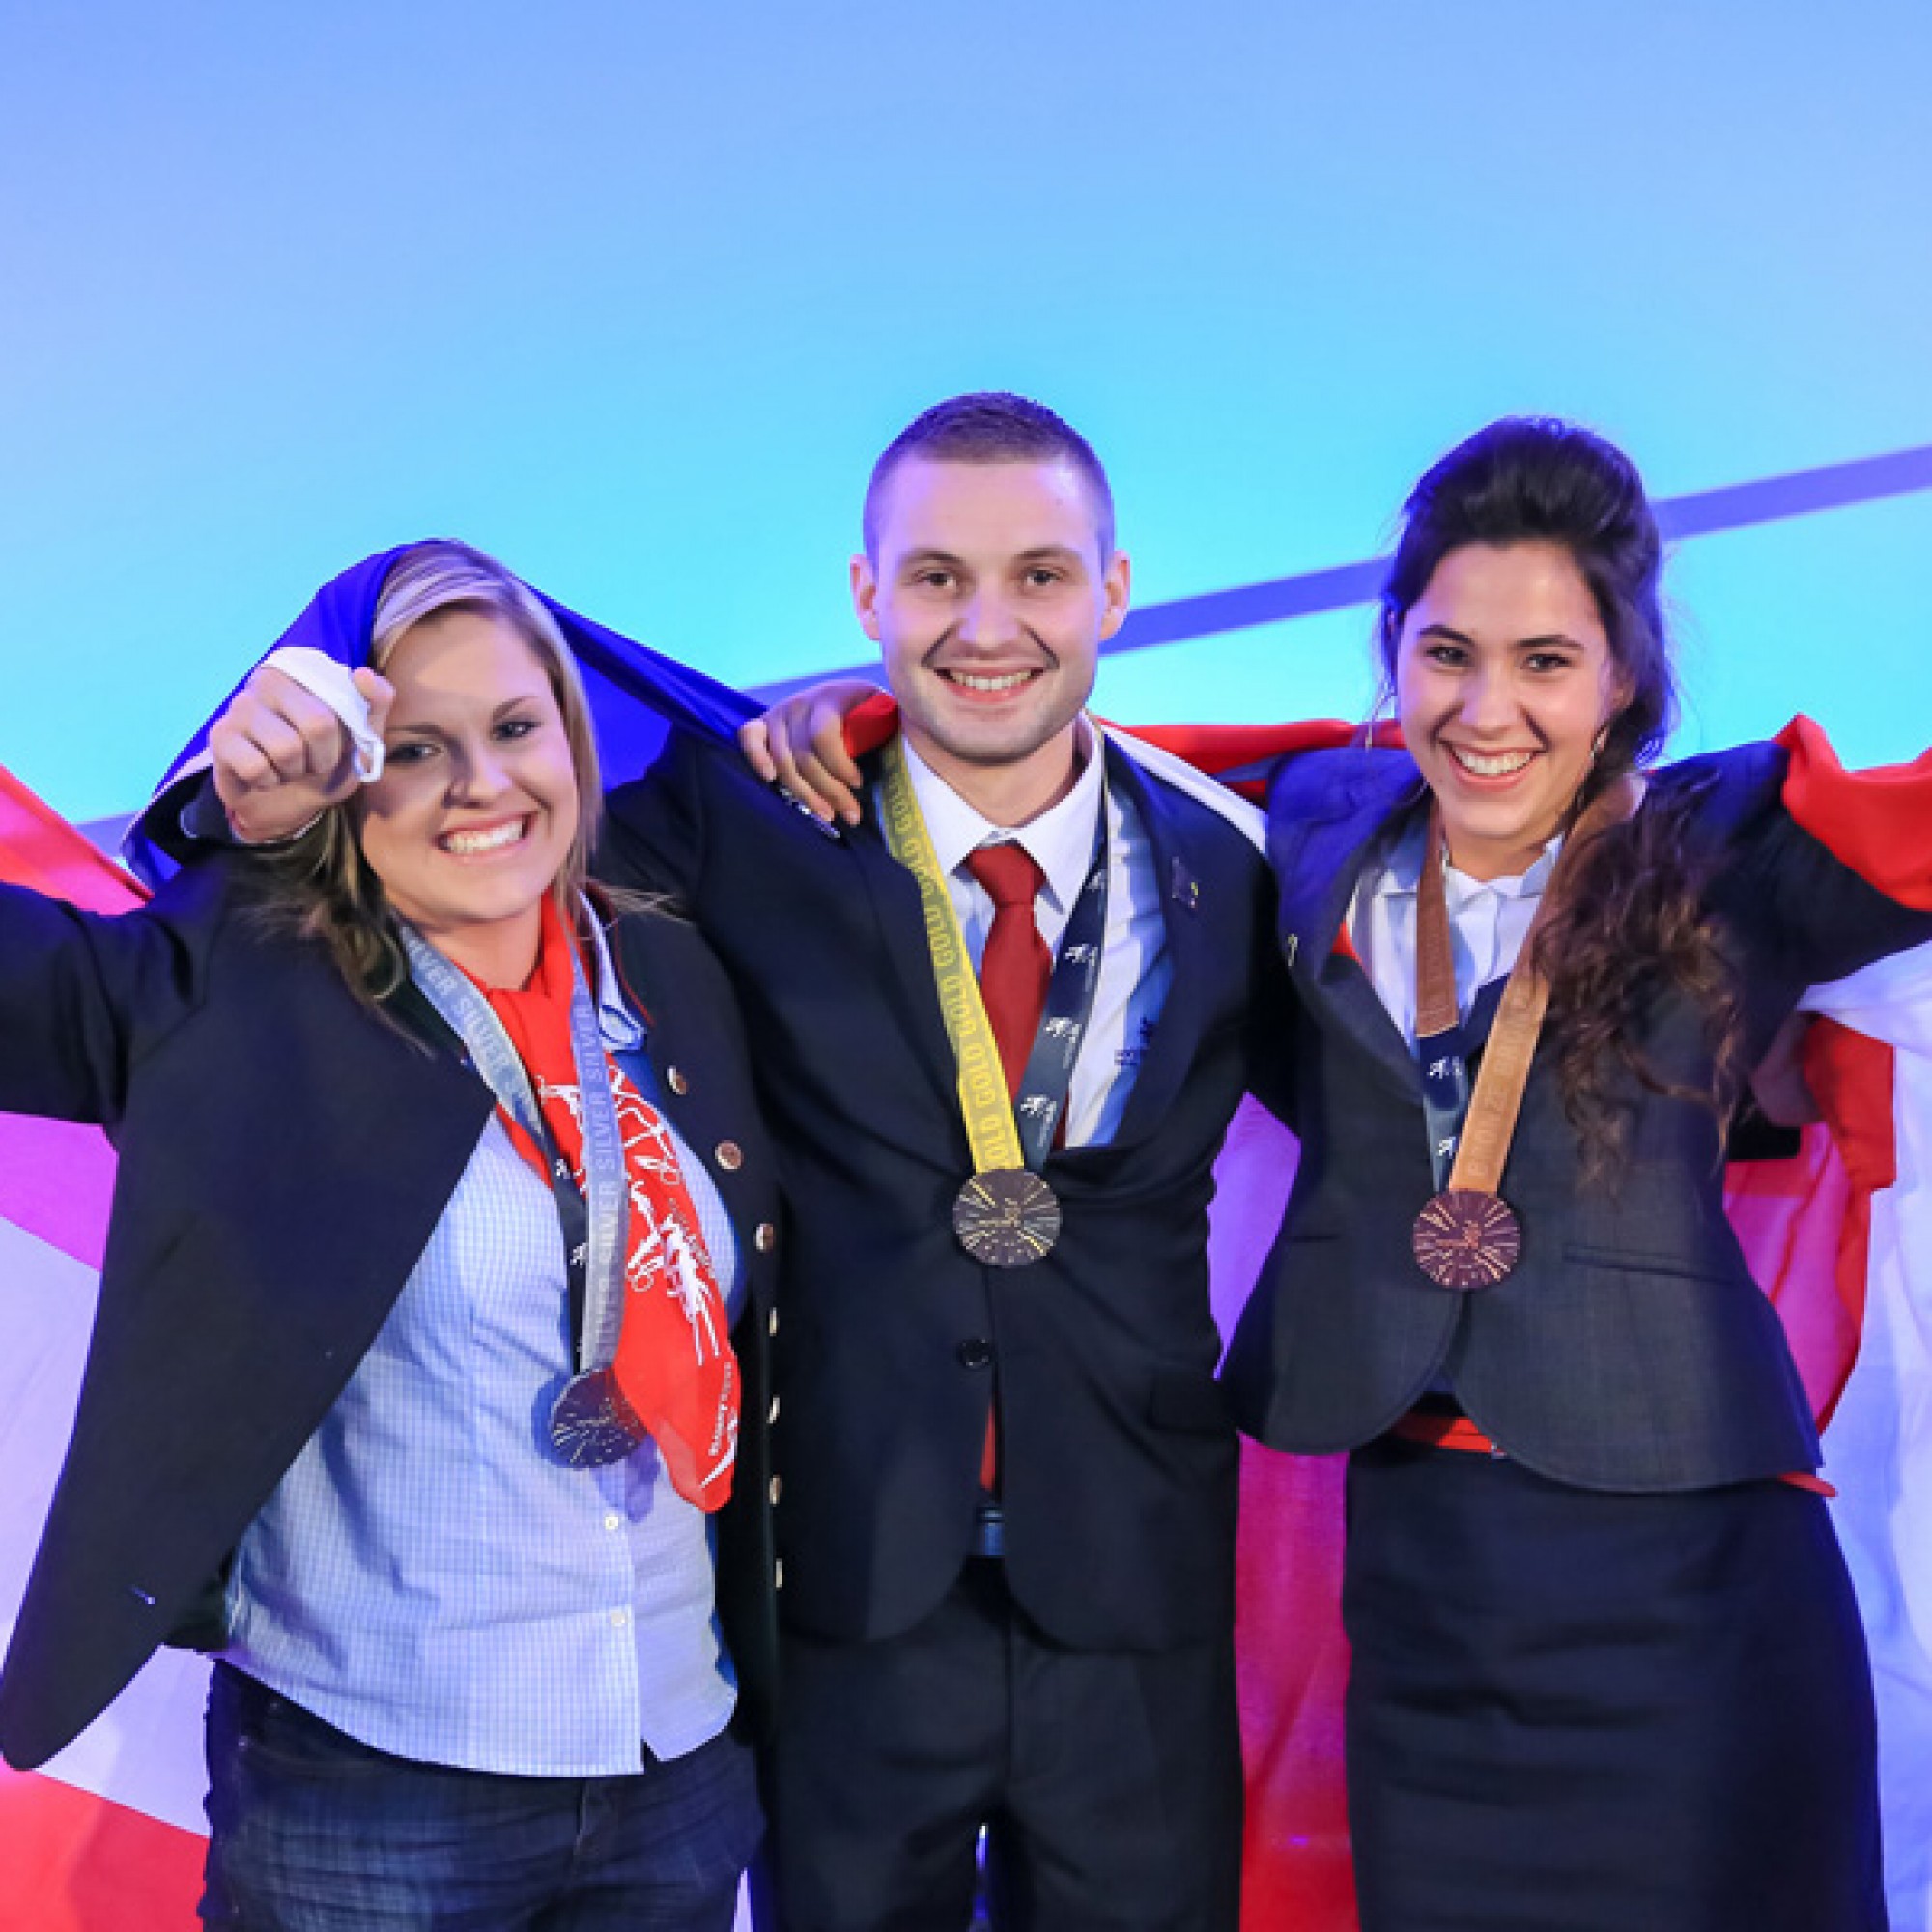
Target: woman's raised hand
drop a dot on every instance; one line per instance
(282, 756)
(800, 743)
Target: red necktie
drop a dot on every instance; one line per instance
(1016, 965)
(1013, 973)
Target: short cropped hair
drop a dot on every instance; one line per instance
(992, 426)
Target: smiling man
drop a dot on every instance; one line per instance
(989, 585)
(1007, 1483)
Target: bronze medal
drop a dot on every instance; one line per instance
(1006, 1217)
(1465, 1239)
(591, 1424)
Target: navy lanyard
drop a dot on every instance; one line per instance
(1445, 1097)
(1048, 1078)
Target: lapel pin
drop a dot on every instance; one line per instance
(810, 817)
(1290, 945)
(1185, 889)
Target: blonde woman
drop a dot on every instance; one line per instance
(409, 1398)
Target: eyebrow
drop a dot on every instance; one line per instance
(1039, 553)
(427, 730)
(1559, 639)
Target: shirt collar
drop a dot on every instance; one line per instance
(1059, 842)
(1402, 872)
(620, 1027)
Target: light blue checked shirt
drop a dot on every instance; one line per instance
(429, 1579)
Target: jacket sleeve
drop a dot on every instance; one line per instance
(653, 836)
(1832, 868)
(83, 994)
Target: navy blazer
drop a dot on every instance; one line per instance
(1631, 1348)
(284, 1156)
(1118, 1457)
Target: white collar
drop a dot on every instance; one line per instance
(1059, 842)
(616, 1020)
(1403, 870)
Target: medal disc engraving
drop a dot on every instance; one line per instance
(1465, 1241)
(591, 1424)
(1006, 1217)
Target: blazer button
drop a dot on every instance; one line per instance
(675, 1079)
(779, 1573)
(728, 1155)
(772, 1417)
(765, 1237)
(771, 1327)
(975, 1353)
(777, 1488)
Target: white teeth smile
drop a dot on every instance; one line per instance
(1497, 767)
(1008, 681)
(468, 844)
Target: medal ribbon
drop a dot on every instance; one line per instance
(1469, 1134)
(592, 1218)
(652, 1345)
(1003, 1131)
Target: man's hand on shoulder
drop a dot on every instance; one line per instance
(800, 743)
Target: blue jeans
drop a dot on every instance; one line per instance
(312, 1831)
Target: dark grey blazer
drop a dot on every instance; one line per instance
(1631, 1349)
(284, 1158)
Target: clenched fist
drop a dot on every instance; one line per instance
(282, 756)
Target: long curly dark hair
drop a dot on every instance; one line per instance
(1634, 924)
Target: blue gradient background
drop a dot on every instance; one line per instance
(632, 295)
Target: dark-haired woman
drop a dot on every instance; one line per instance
(1608, 1670)
(411, 1394)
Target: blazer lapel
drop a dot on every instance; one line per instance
(681, 1019)
(1318, 857)
(900, 920)
(1177, 1031)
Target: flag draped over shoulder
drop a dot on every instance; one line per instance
(636, 695)
(106, 1838)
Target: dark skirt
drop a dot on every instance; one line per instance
(1570, 1712)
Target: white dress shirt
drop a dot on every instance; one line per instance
(1489, 920)
(1135, 969)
